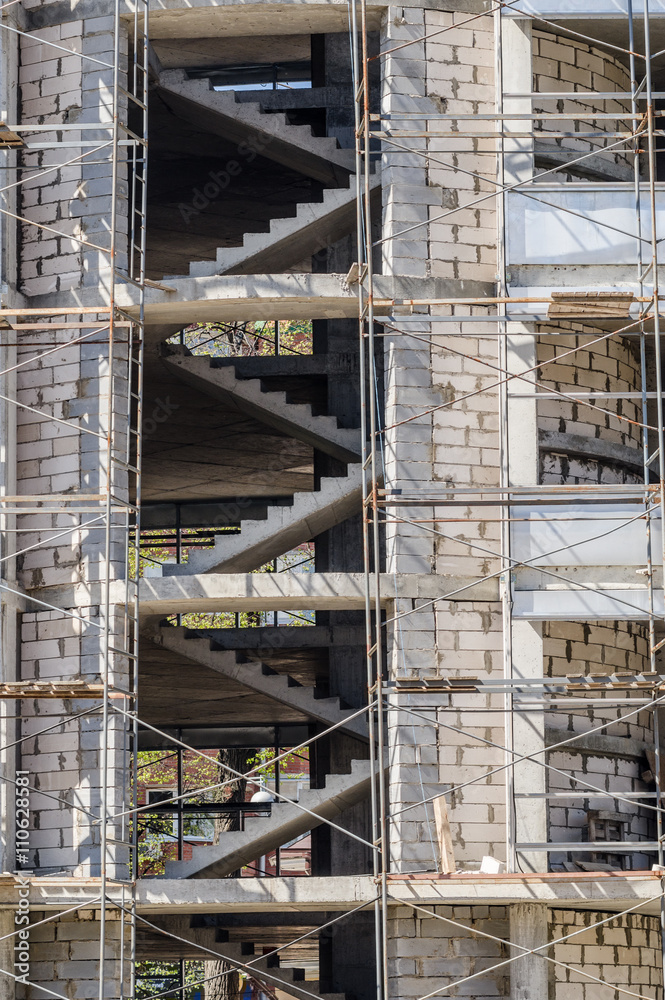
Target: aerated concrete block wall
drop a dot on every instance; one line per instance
(65, 765)
(595, 441)
(427, 953)
(68, 209)
(624, 952)
(443, 427)
(65, 956)
(430, 442)
(430, 953)
(562, 64)
(62, 451)
(460, 79)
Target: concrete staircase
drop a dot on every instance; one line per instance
(199, 942)
(272, 408)
(200, 646)
(287, 822)
(284, 528)
(288, 241)
(268, 135)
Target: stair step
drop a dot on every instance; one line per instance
(272, 407)
(267, 969)
(200, 647)
(268, 135)
(286, 822)
(284, 528)
(290, 240)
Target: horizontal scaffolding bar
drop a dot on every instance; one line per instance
(602, 846)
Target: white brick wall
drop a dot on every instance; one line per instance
(425, 954)
(64, 955)
(75, 200)
(570, 64)
(460, 78)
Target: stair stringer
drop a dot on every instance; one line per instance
(270, 135)
(316, 225)
(272, 408)
(279, 687)
(283, 529)
(287, 822)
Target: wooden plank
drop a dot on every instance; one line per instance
(8, 139)
(597, 305)
(55, 689)
(443, 836)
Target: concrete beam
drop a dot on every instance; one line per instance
(611, 599)
(265, 592)
(226, 19)
(223, 298)
(609, 891)
(295, 591)
(288, 637)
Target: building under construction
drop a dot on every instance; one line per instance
(332, 432)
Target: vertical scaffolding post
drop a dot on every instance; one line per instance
(370, 481)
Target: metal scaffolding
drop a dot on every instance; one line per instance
(636, 132)
(113, 508)
(105, 515)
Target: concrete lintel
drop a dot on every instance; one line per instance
(287, 637)
(585, 891)
(296, 591)
(266, 591)
(590, 448)
(568, 578)
(608, 891)
(563, 277)
(223, 298)
(598, 744)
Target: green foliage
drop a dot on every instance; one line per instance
(156, 830)
(159, 977)
(248, 339)
(262, 764)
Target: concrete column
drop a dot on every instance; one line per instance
(529, 976)
(526, 637)
(522, 413)
(517, 79)
(529, 737)
(7, 983)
